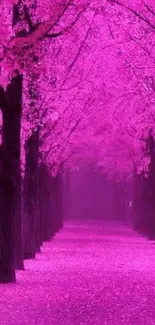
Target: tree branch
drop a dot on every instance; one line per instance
(149, 9)
(28, 18)
(54, 35)
(146, 20)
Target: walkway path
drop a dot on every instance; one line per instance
(91, 274)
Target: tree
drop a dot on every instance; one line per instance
(23, 38)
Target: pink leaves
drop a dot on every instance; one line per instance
(92, 63)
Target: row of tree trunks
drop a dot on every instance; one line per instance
(42, 201)
(22, 234)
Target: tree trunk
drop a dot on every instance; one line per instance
(51, 205)
(11, 254)
(58, 202)
(137, 209)
(47, 205)
(31, 196)
(41, 215)
(66, 193)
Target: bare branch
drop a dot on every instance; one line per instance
(146, 20)
(28, 18)
(149, 9)
(79, 51)
(54, 35)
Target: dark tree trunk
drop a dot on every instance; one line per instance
(41, 194)
(31, 196)
(51, 204)
(144, 200)
(14, 93)
(149, 191)
(128, 202)
(66, 195)
(136, 200)
(58, 222)
(47, 205)
(11, 254)
(39, 221)
(138, 208)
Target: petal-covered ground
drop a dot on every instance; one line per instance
(91, 273)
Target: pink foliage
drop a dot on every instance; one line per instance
(94, 78)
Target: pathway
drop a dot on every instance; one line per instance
(92, 273)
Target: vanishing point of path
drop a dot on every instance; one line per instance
(91, 273)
